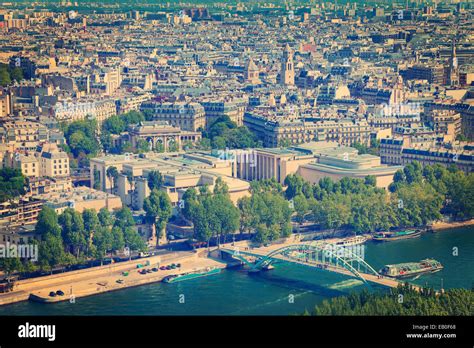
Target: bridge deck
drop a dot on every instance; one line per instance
(262, 252)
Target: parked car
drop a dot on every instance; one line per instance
(59, 293)
(52, 294)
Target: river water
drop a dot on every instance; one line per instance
(288, 289)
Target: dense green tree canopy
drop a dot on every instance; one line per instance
(158, 209)
(74, 237)
(81, 137)
(8, 74)
(453, 302)
(212, 214)
(223, 133)
(12, 183)
(155, 180)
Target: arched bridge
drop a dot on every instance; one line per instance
(329, 257)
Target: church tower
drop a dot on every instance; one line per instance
(252, 73)
(287, 73)
(453, 66)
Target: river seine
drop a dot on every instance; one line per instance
(288, 289)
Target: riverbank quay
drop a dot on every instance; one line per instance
(442, 225)
(96, 280)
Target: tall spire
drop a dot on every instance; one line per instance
(453, 65)
(287, 72)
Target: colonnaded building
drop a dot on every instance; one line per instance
(182, 170)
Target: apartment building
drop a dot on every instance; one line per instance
(462, 157)
(5, 105)
(446, 122)
(80, 109)
(278, 131)
(234, 108)
(187, 116)
(434, 74)
(427, 151)
(47, 161)
(24, 135)
(19, 213)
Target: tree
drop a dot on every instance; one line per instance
(202, 231)
(301, 207)
(142, 146)
(10, 265)
(224, 133)
(246, 214)
(118, 241)
(371, 180)
(12, 183)
(158, 210)
(159, 147)
(133, 240)
(419, 303)
(190, 204)
(74, 235)
(413, 172)
(225, 213)
(262, 234)
(131, 181)
(47, 223)
(333, 211)
(418, 204)
(5, 79)
(112, 174)
(102, 242)
(268, 208)
(326, 184)
(51, 252)
(124, 218)
(294, 185)
(114, 125)
(220, 187)
(266, 185)
(105, 218)
(96, 185)
(155, 180)
(173, 146)
(91, 225)
(81, 137)
(212, 214)
(16, 74)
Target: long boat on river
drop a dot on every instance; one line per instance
(396, 235)
(411, 269)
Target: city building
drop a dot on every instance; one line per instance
(287, 71)
(160, 134)
(47, 161)
(179, 171)
(80, 198)
(313, 161)
(186, 116)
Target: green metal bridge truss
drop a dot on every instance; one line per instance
(313, 254)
